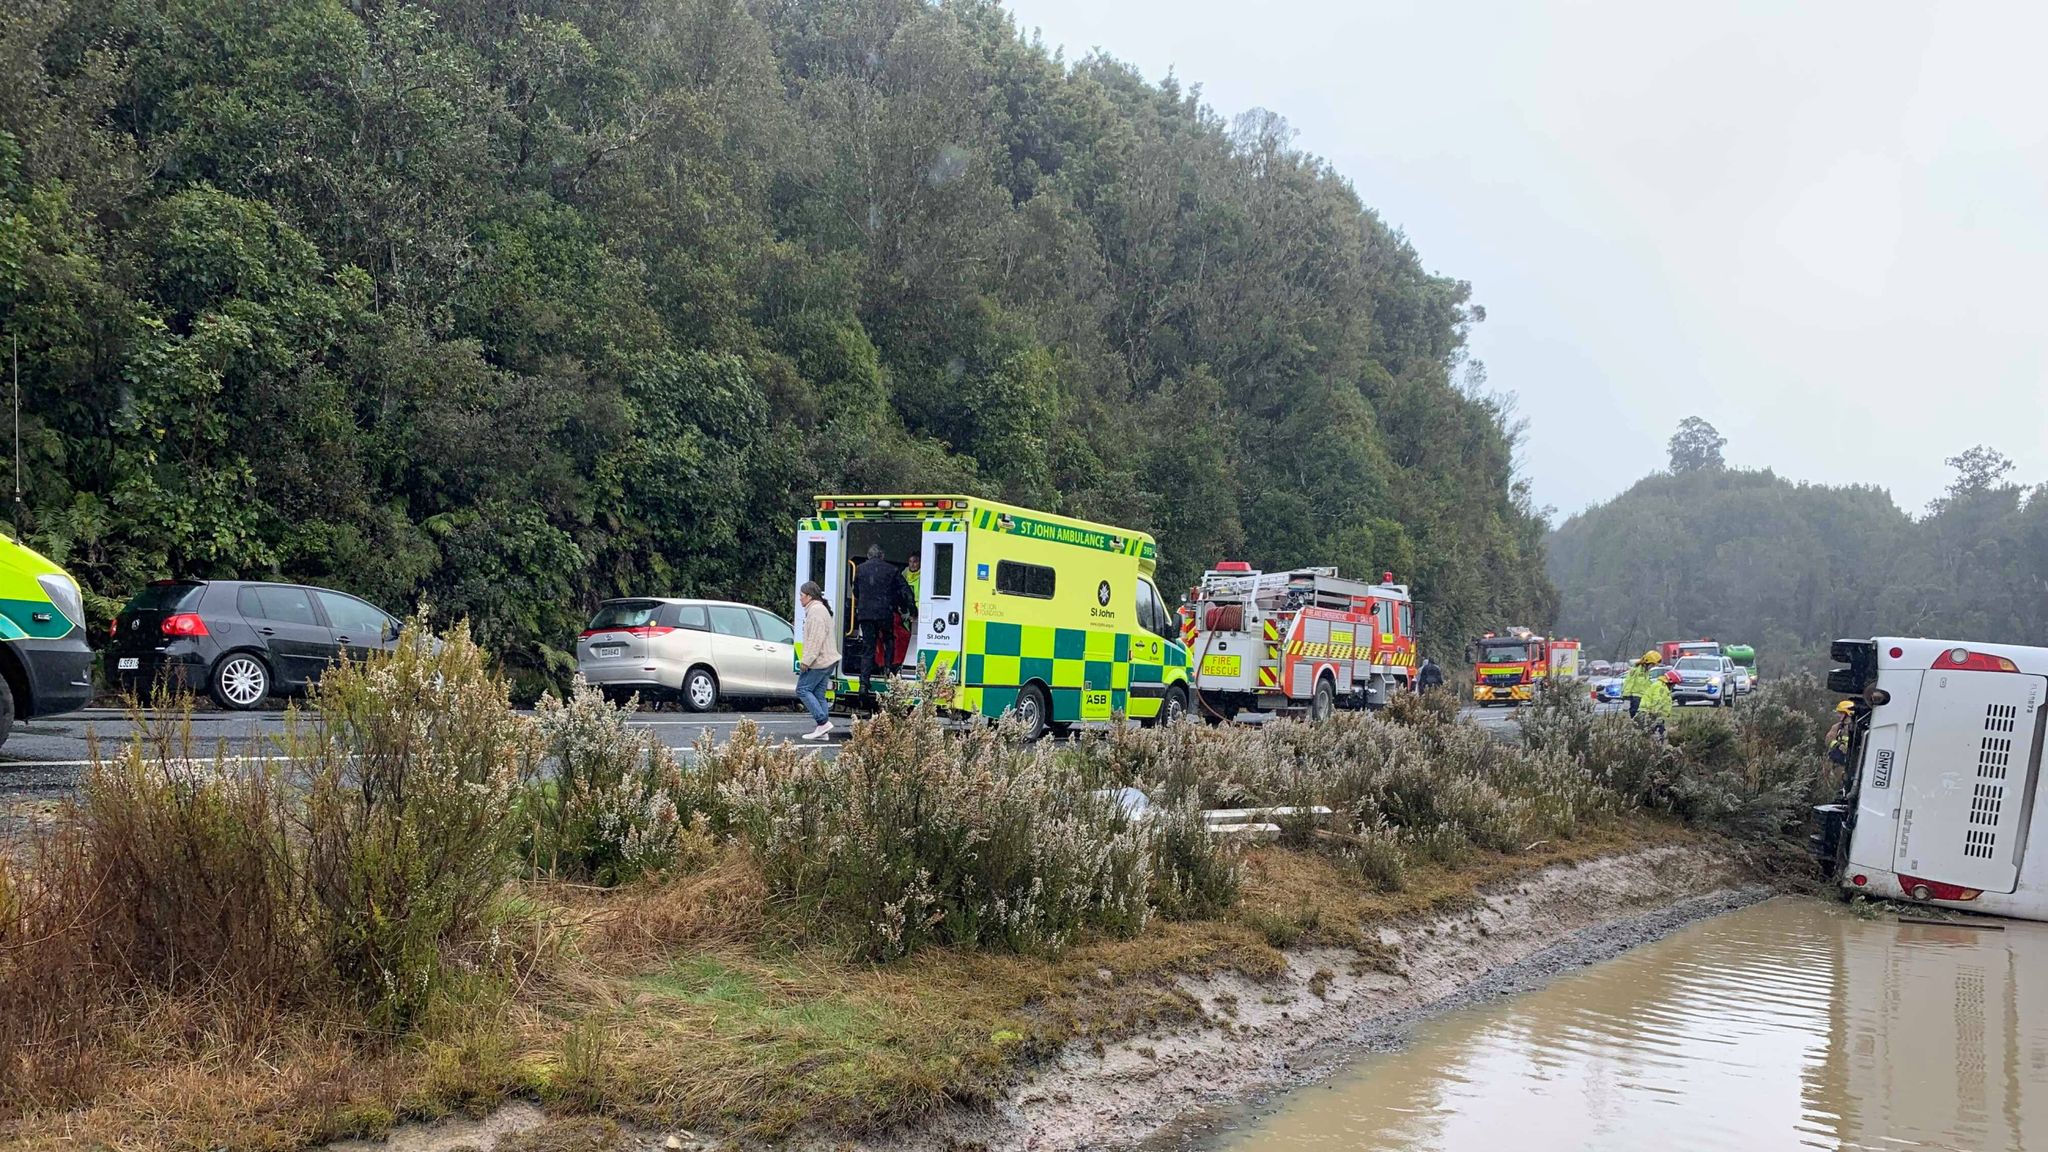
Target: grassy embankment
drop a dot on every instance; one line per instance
(409, 916)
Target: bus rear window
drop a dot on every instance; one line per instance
(166, 596)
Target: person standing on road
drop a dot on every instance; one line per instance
(879, 593)
(1657, 701)
(821, 656)
(1429, 677)
(1636, 684)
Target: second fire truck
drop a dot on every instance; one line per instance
(1508, 665)
(1304, 641)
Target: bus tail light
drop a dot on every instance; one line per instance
(1966, 660)
(1920, 889)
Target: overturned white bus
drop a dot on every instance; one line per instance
(1940, 798)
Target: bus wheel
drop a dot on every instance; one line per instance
(1033, 712)
(1324, 703)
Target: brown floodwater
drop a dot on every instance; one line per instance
(1789, 1024)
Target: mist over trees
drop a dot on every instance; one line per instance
(516, 307)
(1747, 556)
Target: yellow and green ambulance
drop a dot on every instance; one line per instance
(45, 662)
(1052, 618)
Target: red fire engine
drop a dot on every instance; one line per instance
(1507, 666)
(1306, 640)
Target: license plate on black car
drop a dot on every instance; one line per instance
(128, 664)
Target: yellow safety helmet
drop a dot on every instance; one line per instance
(1846, 706)
(1652, 657)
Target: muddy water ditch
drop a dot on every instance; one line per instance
(1791, 1023)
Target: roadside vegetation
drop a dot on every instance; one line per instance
(432, 904)
(511, 309)
(1749, 556)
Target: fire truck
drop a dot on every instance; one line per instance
(1508, 665)
(1673, 649)
(1305, 641)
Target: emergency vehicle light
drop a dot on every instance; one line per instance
(1232, 566)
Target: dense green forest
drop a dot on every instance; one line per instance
(510, 307)
(1707, 550)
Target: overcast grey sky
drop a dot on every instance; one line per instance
(1821, 226)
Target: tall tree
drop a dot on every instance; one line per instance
(1696, 447)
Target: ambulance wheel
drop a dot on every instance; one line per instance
(1323, 704)
(1174, 707)
(1033, 712)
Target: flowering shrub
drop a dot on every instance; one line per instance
(409, 766)
(916, 836)
(601, 803)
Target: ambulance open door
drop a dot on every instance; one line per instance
(941, 597)
(818, 547)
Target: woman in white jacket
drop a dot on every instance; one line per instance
(821, 656)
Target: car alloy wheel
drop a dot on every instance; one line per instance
(700, 691)
(242, 681)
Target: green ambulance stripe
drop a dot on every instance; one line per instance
(988, 519)
(18, 620)
(1000, 658)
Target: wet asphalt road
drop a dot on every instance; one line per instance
(42, 759)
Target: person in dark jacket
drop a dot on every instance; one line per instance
(879, 593)
(1428, 677)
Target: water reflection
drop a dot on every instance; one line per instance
(1789, 1024)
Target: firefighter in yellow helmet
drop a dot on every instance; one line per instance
(1839, 735)
(1657, 701)
(1636, 683)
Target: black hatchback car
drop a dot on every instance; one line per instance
(239, 641)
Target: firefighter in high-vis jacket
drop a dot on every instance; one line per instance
(1636, 684)
(1844, 728)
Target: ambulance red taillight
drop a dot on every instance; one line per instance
(1920, 889)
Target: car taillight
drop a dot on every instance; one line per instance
(184, 624)
(113, 627)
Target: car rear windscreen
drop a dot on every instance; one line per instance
(166, 597)
(624, 614)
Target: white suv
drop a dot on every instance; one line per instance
(697, 651)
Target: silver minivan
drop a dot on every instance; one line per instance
(697, 652)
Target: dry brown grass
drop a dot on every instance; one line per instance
(698, 1003)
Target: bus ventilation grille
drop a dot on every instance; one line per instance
(1987, 799)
